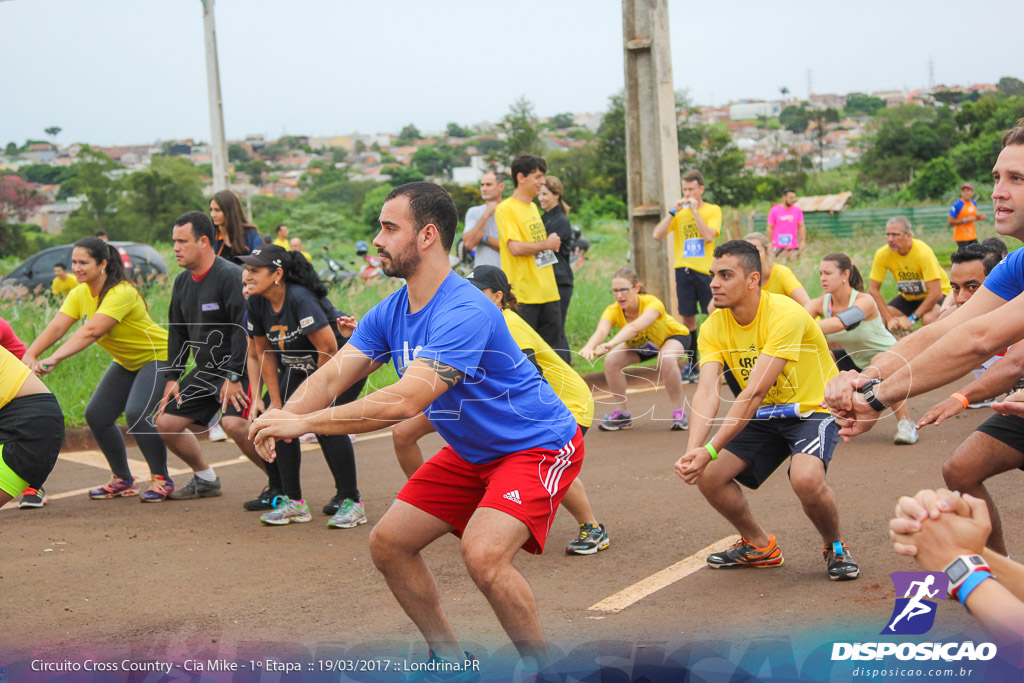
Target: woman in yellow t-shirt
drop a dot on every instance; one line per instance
(115, 316)
(646, 331)
(568, 386)
(775, 277)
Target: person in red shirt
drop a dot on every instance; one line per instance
(9, 340)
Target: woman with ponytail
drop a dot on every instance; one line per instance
(115, 316)
(236, 236)
(849, 318)
(291, 325)
(556, 220)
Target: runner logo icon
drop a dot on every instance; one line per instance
(513, 496)
(914, 613)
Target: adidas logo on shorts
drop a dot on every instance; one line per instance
(513, 496)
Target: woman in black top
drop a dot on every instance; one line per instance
(556, 219)
(292, 327)
(235, 235)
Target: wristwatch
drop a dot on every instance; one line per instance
(913, 318)
(234, 377)
(961, 568)
(869, 395)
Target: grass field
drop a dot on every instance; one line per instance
(73, 381)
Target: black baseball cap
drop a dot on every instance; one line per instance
(490, 277)
(267, 255)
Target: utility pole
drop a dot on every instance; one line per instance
(218, 147)
(652, 143)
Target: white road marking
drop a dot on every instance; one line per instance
(666, 577)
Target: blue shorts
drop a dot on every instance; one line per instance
(766, 444)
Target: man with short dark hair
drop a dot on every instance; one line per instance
(205, 319)
(481, 232)
(781, 360)
(786, 229)
(696, 225)
(528, 251)
(514, 448)
(102, 234)
(63, 281)
(281, 237)
(920, 280)
(963, 215)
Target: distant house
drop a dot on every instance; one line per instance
(40, 153)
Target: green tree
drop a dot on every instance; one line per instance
(93, 179)
(611, 147)
(53, 131)
(905, 138)
(153, 198)
(522, 133)
(432, 161)
(822, 118)
(400, 175)
(409, 133)
(1010, 86)
(562, 121)
(457, 131)
(935, 180)
(237, 153)
(794, 119)
(863, 105)
(11, 150)
(372, 204)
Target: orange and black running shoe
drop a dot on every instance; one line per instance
(743, 554)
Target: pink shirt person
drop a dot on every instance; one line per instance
(784, 222)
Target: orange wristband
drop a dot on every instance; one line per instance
(960, 397)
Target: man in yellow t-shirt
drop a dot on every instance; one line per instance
(921, 281)
(296, 245)
(528, 252)
(31, 431)
(781, 360)
(63, 281)
(696, 224)
(281, 237)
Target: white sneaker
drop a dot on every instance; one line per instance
(217, 433)
(307, 438)
(906, 432)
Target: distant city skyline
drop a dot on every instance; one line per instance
(123, 72)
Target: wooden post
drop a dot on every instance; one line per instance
(652, 146)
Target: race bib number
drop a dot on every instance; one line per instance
(303, 363)
(693, 247)
(545, 258)
(785, 240)
(910, 288)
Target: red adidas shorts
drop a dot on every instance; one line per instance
(528, 485)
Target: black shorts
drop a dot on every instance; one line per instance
(964, 243)
(766, 444)
(905, 306)
(647, 353)
(546, 320)
(289, 380)
(200, 398)
(1007, 429)
(31, 434)
(692, 288)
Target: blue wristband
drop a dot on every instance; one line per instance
(970, 584)
(672, 212)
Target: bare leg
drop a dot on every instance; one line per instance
(901, 411)
(5, 498)
(719, 488)
(238, 429)
(491, 540)
(668, 371)
(183, 443)
(807, 477)
(405, 436)
(691, 322)
(577, 503)
(614, 364)
(395, 546)
(979, 457)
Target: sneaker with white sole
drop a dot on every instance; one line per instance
(591, 539)
(115, 488)
(217, 433)
(616, 420)
(33, 498)
(287, 511)
(906, 432)
(197, 488)
(680, 421)
(159, 488)
(841, 565)
(350, 514)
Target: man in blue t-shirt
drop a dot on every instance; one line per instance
(950, 348)
(514, 447)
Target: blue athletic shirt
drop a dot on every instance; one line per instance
(1007, 279)
(502, 405)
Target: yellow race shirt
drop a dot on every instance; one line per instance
(63, 285)
(912, 271)
(691, 250)
(783, 329)
(568, 385)
(13, 374)
(655, 334)
(532, 277)
(782, 281)
(135, 340)
(284, 244)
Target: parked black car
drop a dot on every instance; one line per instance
(140, 261)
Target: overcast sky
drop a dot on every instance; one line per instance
(133, 71)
